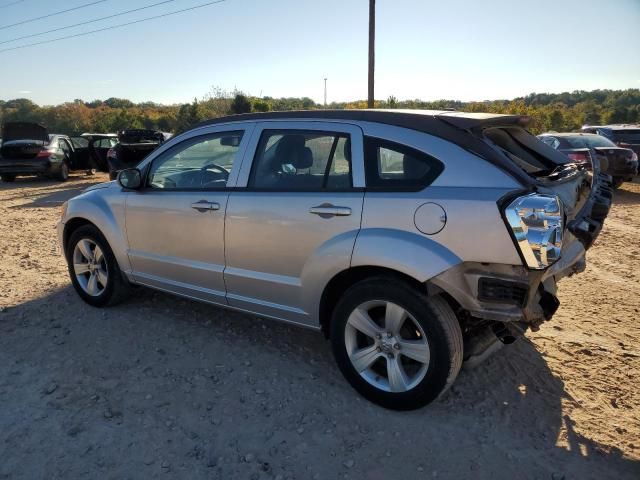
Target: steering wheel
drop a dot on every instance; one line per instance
(216, 168)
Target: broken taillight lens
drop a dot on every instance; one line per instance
(536, 223)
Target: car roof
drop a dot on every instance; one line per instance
(568, 134)
(429, 121)
(452, 126)
(99, 135)
(620, 126)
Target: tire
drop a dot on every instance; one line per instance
(617, 182)
(437, 325)
(63, 174)
(8, 178)
(117, 288)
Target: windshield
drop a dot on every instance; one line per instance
(589, 141)
(627, 135)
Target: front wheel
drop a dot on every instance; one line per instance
(396, 346)
(93, 268)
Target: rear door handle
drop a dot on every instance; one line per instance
(327, 210)
(205, 205)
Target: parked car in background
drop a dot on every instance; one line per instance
(29, 149)
(620, 163)
(625, 136)
(133, 145)
(413, 239)
(97, 144)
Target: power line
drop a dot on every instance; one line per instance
(112, 26)
(85, 23)
(51, 14)
(11, 3)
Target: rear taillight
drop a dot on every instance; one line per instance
(111, 153)
(579, 157)
(45, 153)
(536, 223)
(634, 157)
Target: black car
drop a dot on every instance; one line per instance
(625, 136)
(28, 149)
(620, 163)
(133, 145)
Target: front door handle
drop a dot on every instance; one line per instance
(328, 210)
(205, 205)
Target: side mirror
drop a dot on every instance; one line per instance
(130, 179)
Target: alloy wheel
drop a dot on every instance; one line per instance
(387, 346)
(90, 267)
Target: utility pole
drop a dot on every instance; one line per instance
(325, 93)
(372, 51)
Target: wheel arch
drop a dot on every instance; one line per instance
(71, 226)
(107, 216)
(391, 253)
(346, 278)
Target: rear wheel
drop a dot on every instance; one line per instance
(63, 174)
(8, 178)
(93, 268)
(396, 346)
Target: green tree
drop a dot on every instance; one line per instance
(261, 105)
(240, 104)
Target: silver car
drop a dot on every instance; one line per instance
(414, 240)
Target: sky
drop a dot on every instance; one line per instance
(426, 49)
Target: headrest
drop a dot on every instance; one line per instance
(291, 150)
(347, 150)
(305, 160)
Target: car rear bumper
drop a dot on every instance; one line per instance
(509, 293)
(25, 167)
(625, 171)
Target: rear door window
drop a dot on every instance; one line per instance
(298, 160)
(390, 165)
(64, 146)
(79, 142)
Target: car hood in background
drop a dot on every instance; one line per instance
(24, 131)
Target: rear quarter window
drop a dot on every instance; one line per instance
(393, 166)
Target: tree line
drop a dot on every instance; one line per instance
(560, 112)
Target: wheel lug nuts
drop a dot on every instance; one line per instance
(397, 346)
(378, 349)
(378, 336)
(390, 356)
(389, 335)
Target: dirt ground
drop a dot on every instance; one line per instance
(165, 387)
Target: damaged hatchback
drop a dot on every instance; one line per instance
(414, 240)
